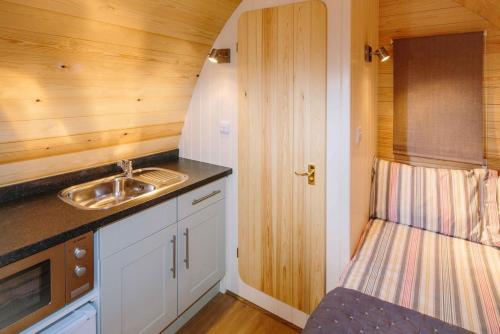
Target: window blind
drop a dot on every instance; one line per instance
(438, 97)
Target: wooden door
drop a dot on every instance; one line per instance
(282, 116)
(139, 286)
(201, 260)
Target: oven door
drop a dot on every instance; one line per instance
(31, 289)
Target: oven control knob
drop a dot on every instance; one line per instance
(80, 271)
(79, 253)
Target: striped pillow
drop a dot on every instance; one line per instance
(488, 232)
(439, 200)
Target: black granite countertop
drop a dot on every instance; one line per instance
(31, 224)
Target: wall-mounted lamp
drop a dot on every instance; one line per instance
(220, 56)
(380, 52)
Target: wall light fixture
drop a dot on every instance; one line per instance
(381, 52)
(220, 56)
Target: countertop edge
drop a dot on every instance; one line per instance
(21, 253)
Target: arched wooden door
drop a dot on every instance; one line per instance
(282, 130)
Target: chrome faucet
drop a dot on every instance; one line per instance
(126, 166)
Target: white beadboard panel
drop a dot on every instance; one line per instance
(215, 100)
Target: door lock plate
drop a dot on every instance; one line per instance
(311, 175)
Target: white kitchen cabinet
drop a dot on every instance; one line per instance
(201, 259)
(139, 286)
(152, 266)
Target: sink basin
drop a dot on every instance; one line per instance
(116, 190)
(107, 193)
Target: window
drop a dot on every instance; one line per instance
(438, 97)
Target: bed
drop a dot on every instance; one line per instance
(409, 279)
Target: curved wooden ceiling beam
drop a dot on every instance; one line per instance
(487, 9)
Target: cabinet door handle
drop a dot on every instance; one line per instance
(186, 260)
(174, 256)
(201, 199)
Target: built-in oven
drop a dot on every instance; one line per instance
(36, 286)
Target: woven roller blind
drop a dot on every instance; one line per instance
(438, 106)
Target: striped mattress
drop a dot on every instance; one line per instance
(448, 278)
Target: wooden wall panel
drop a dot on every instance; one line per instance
(364, 30)
(56, 164)
(86, 75)
(413, 18)
(281, 225)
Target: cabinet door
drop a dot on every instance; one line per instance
(201, 253)
(139, 286)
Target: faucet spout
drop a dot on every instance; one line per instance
(126, 166)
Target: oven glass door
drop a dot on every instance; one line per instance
(31, 289)
(24, 292)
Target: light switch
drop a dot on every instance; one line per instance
(358, 135)
(225, 127)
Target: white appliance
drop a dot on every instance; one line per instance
(80, 321)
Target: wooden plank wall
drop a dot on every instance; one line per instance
(90, 82)
(364, 30)
(412, 18)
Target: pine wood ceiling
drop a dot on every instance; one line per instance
(488, 9)
(89, 82)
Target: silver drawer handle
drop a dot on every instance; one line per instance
(174, 255)
(186, 260)
(199, 200)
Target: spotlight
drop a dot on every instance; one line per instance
(220, 56)
(380, 52)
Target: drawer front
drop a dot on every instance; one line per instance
(136, 227)
(200, 198)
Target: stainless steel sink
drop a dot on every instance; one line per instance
(116, 190)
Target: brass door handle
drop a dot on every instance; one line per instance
(311, 174)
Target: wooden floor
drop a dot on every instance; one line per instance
(226, 314)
